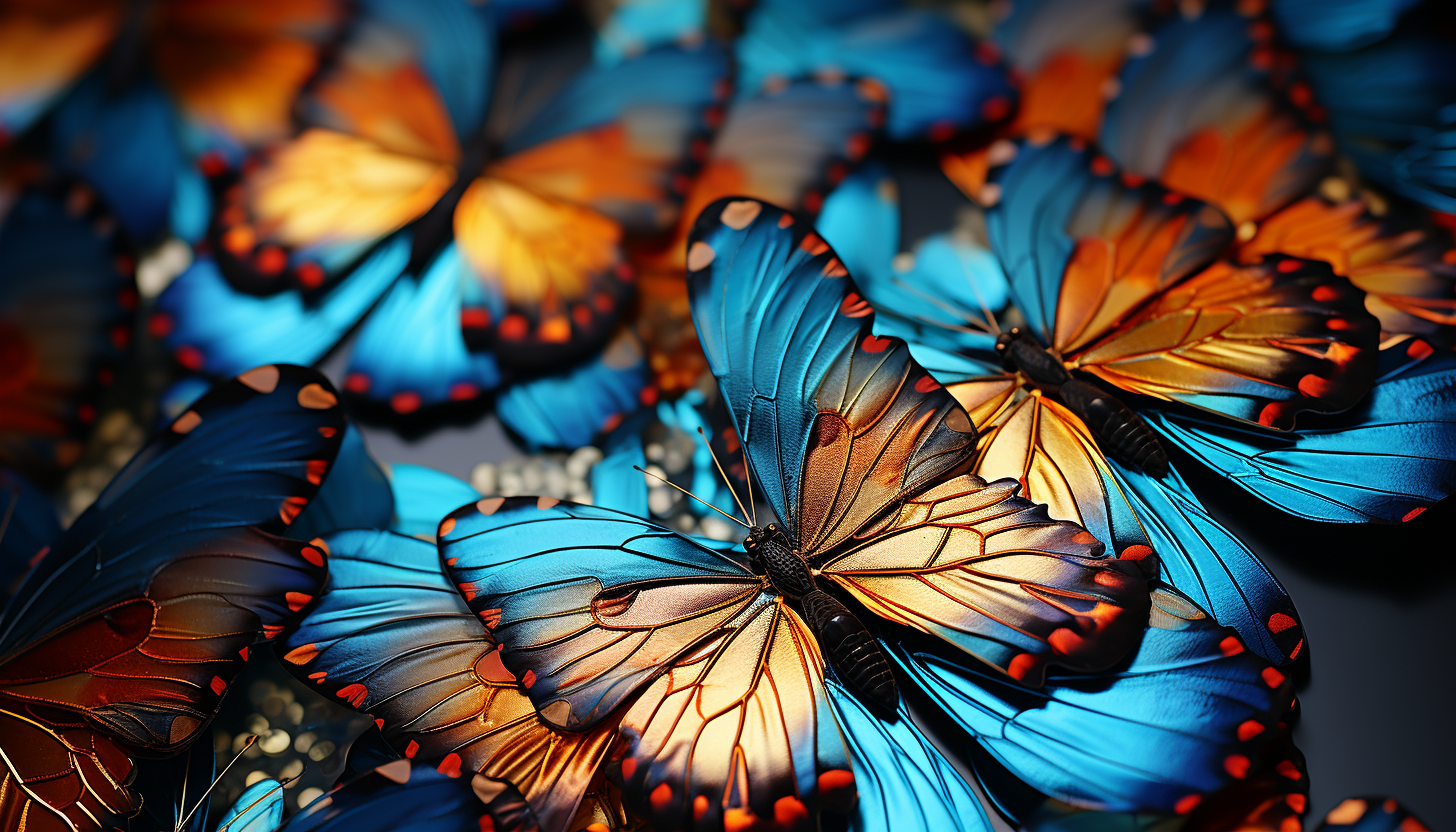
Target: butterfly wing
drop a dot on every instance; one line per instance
(400, 796)
(1369, 814)
(904, 780)
(839, 423)
(1338, 26)
(939, 81)
(1199, 112)
(1400, 265)
(1387, 459)
(237, 67)
(45, 48)
(131, 628)
(1187, 713)
(1068, 53)
(65, 317)
(209, 325)
(717, 684)
(392, 638)
(258, 809)
(569, 409)
(356, 495)
(28, 524)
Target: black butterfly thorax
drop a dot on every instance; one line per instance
(436, 227)
(1120, 431)
(852, 650)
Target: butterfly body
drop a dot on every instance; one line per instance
(436, 227)
(1126, 435)
(851, 649)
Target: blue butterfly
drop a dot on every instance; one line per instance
(498, 259)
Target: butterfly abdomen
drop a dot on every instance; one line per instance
(854, 653)
(1122, 433)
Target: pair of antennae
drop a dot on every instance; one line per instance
(253, 740)
(752, 519)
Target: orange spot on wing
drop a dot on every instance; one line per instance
(661, 797)
(814, 244)
(186, 422)
(302, 655)
(1020, 666)
(1314, 386)
(314, 470)
(700, 807)
(446, 526)
(297, 600)
(555, 330)
(291, 508)
(629, 768)
(314, 397)
(790, 812)
(740, 820)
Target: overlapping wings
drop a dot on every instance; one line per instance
(392, 638)
(717, 684)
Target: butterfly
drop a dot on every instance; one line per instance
(66, 308)
(1239, 131)
(129, 95)
(430, 673)
(710, 663)
(395, 796)
(127, 633)
(492, 247)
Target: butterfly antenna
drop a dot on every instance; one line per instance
(691, 494)
(182, 824)
(726, 481)
(748, 482)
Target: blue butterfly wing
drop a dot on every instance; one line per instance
(904, 780)
(782, 327)
(569, 409)
(399, 797)
(1387, 459)
(258, 809)
(615, 481)
(410, 352)
(126, 143)
(391, 637)
(1390, 108)
(937, 80)
(28, 524)
(1185, 715)
(1210, 565)
(252, 453)
(422, 496)
(212, 327)
(66, 302)
(938, 298)
(1337, 26)
(638, 25)
(356, 494)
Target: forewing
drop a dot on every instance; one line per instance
(392, 638)
(839, 423)
(1259, 343)
(1201, 112)
(1081, 246)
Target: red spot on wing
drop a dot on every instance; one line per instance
(297, 600)
(1273, 678)
(1101, 166)
(1187, 803)
(310, 275)
(514, 327)
(1287, 768)
(872, 343)
(272, 630)
(160, 325)
(1231, 646)
(995, 108)
(1020, 666)
(462, 391)
(270, 260)
(1413, 514)
(1419, 349)
(629, 768)
(529, 679)
(450, 766)
(218, 685)
(312, 555)
(1295, 802)
(1279, 622)
(291, 508)
(927, 385)
(314, 470)
(411, 750)
(1237, 765)
(474, 317)
(1323, 294)
(357, 383)
(407, 401)
(244, 653)
(328, 432)
(1249, 728)
(661, 797)
(354, 694)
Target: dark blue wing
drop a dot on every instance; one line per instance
(904, 780)
(252, 453)
(356, 494)
(1387, 459)
(1390, 107)
(1185, 715)
(1209, 564)
(66, 301)
(410, 352)
(212, 327)
(568, 409)
(792, 346)
(28, 526)
(938, 81)
(399, 797)
(126, 144)
(1337, 25)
